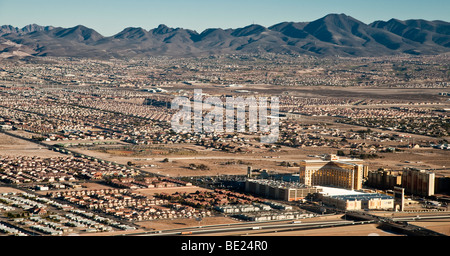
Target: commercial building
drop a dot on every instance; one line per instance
(442, 185)
(418, 182)
(357, 202)
(415, 181)
(243, 208)
(383, 179)
(270, 216)
(287, 191)
(332, 171)
(5, 127)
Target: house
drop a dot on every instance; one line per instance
(38, 211)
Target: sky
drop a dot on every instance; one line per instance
(112, 16)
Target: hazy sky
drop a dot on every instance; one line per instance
(110, 17)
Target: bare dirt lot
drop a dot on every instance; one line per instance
(236, 163)
(9, 190)
(218, 162)
(436, 159)
(12, 146)
(402, 94)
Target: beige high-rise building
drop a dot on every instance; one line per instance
(418, 182)
(332, 171)
(383, 179)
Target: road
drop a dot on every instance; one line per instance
(253, 227)
(401, 224)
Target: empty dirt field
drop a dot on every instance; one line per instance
(425, 158)
(12, 146)
(9, 190)
(219, 163)
(378, 93)
(178, 164)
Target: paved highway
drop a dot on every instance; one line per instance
(244, 228)
(419, 218)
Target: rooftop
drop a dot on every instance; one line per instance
(331, 191)
(333, 158)
(279, 184)
(365, 196)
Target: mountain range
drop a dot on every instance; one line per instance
(332, 35)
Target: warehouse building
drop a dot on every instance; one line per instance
(280, 190)
(271, 216)
(359, 202)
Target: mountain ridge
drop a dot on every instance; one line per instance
(331, 35)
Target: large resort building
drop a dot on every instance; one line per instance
(332, 171)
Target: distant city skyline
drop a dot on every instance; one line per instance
(111, 17)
